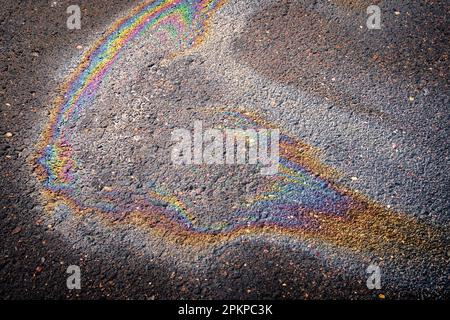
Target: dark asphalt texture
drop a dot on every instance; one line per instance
(376, 103)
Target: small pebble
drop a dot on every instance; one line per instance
(16, 230)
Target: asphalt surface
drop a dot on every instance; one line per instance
(366, 113)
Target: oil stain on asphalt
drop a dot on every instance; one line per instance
(362, 178)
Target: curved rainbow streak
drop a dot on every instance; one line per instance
(359, 226)
(296, 186)
(345, 225)
(365, 227)
(189, 17)
(362, 225)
